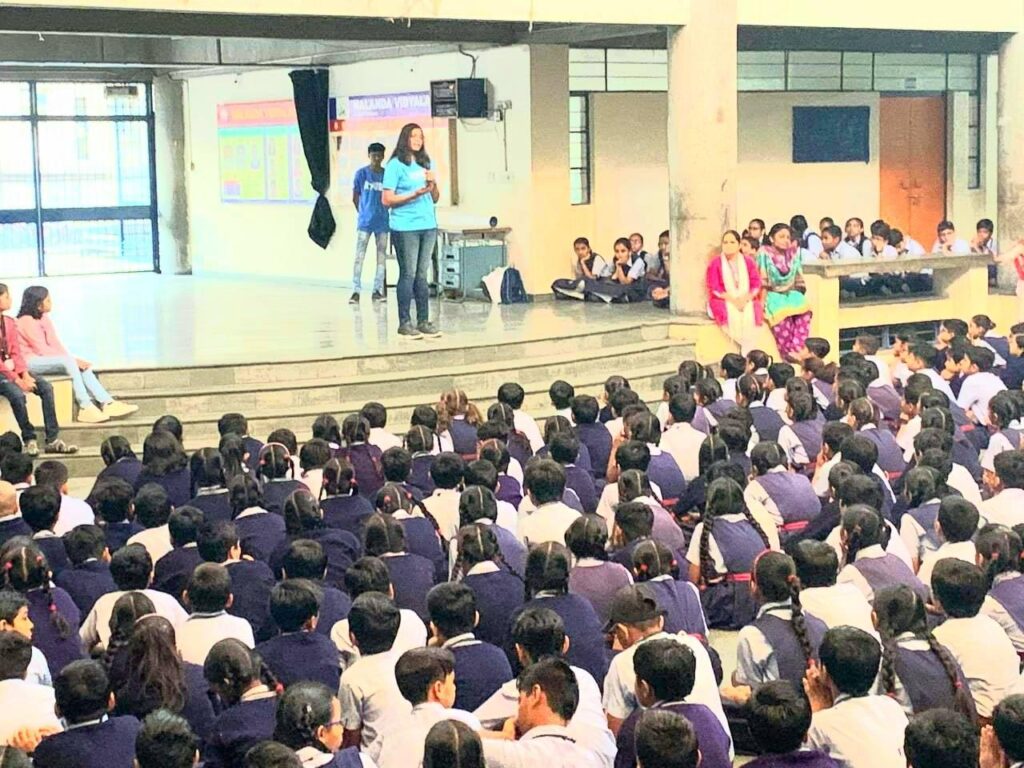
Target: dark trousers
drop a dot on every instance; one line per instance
(415, 250)
(12, 392)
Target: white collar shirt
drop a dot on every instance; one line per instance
(157, 541)
(551, 746)
(412, 633)
(1005, 508)
(861, 732)
(838, 605)
(960, 550)
(548, 523)
(73, 513)
(25, 705)
(995, 611)
(201, 631)
(369, 695)
(986, 656)
(683, 442)
(693, 549)
(400, 741)
(96, 627)
(976, 391)
(383, 439)
(443, 504)
(525, 423)
(961, 480)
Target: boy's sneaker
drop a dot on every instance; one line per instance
(354, 299)
(59, 446)
(116, 408)
(410, 330)
(378, 296)
(90, 414)
(429, 330)
(32, 448)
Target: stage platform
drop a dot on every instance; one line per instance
(282, 353)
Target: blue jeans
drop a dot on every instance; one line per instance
(415, 249)
(86, 385)
(13, 394)
(362, 240)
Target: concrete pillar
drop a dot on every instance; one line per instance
(702, 144)
(171, 190)
(1010, 121)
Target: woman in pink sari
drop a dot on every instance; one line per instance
(734, 288)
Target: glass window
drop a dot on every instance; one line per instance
(88, 247)
(19, 250)
(91, 99)
(15, 99)
(579, 149)
(17, 177)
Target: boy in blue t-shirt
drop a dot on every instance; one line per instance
(373, 220)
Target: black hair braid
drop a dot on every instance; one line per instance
(888, 667)
(268, 678)
(799, 621)
(306, 729)
(756, 526)
(961, 698)
(56, 618)
(707, 563)
(853, 545)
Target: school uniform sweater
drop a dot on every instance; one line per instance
(412, 577)
(582, 627)
(598, 441)
(172, 571)
(295, 656)
(890, 455)
(52, 547)
(422, 539)
(767, 422)
(260, 532)
(419, 476)
(341, 548)
(12, 526)
(365, 461)
(922, 682)
(117, 534)
(214, 503)
(769, 649)
(801, 758)
(276, 492)
(787, 497)
(239, 728)
(127, 469)
(581, 483)
(664, 472)
(715, 743)
(1004, 604)
(46, 636)
(499, 594)
(680, 601)
(107, 743)
(334, 606)
(198, 708)
(346, 513)
(509, 490)
(463, 436)
(251, 583)
(86, 583)
(598, 581)
(178, 484)
(480, 670)
(875, 568)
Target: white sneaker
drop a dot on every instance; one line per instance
(113, 409)
(91, 415)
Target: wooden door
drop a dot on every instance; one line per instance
(912, 164)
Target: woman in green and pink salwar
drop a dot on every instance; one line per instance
(785, 306)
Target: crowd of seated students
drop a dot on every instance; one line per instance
(489, 590)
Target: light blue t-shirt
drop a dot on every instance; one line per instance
(402, 179)
(373, 216)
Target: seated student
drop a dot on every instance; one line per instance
(835, 248)
(1013, 374)
(513, 395)
(480, 667)
(419, 442)
(681, 440)
(787, 497)
(308, 720)
(164, 463)
(510, 487)
(497, 588)
(853, 726)
(251, 580)
(458, 418)
(312, 459)
(980, 384)
(1001, 742)
(595, 436)
(947, 242)
(73, 512)
(918, 359)
(670, 387)
(40, 506)
(92, 739)
(501, 424)
(561, 394)
(625, 283)
(259, 531)
(208, 595)
(634, 521)
(173, 570)
(369, 574)
(938, 432)
(736, 431)
(980, 647)
(587, 265)
(119, 461)
(377, 416)
(779, 717)
(477, 504)
(166, 740)
(396, 466)
(999, 554)
(665, 673)
(210, 493)
(863, 419)
(276, 475)
(832, 436)
(817, 568)
(236, 459)
(26, 705)
(868, 566)
(801, 438)
(1004, 427)
(112, 500)
(89, 577)
(750, 395)
(631, 455)
(305, 559)
(733, 366)
(299, 652)
(544, 485)
(854, 231)
(364, 457)
(662, 468)
(325, 427)
(237, 424)
(654, 565)
(249, 692)
(918, 522)
(342, 505)
(914, 388)
(426, 679)
(14, 617)
(564, 449)
(369, 694)
(304, 520)
(618, 402)
(152, 510)
(981, 333)
(942, 739)
(868, 345)
(411, 574)
(11, 522)
(916, 670)
(446, 471)
(822, 378)
(593, 576)
(956, 525)
(709, 395)
(422, 532)
(775, 386)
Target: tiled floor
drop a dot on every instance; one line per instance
(147, 320)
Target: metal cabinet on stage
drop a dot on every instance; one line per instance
(466, 256)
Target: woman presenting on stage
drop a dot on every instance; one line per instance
(410, 193)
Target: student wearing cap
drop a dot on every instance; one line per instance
(635, 618)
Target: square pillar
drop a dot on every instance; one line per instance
(1010, 122)
(702, 144)
(172, 190)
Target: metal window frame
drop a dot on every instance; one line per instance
(587, 159)
(976, 121)
(39, 215)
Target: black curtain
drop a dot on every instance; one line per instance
(311, 87)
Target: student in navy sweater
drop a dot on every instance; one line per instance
(411, 575)
(309, 721)
(40, 507)
(119, 462)
(172, 571)
(591, 433)
(111, 500)
(565, 450)
(509, 490)
(561, 425)
(779, 717)
(92, 739)
(662, 468)
(209, 485)
(343, 506)
(419, 441)
(364, 457)
(251, 580)
(299, 652)
(89, 577)
(655, 565)
(248, 691)
(498, 590)
(11, 522)
(164, 462)
(396, 465)
(260, 531)
(166, 741)
(305, 559)
(276, 473)
(304, 520)
(237, 424)
(423, 535)
(634, 521)
(480, 668)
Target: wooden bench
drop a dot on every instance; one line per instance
(63, 400)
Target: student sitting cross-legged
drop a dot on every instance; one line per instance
(299, 652)
(251, 580)
(498, 589)
(426, 678)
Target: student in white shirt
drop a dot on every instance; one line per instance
(209, 596)
(14, 618)
(1007, 506)
(561, 394)
(980, 384)
(513, 395)
(426, 678)
(377, 415)
(915, 386)
(447, 472)
(957, 523)
(836, 605)
(544, 485)
(947, 242)
(857, 729)
(24, 705)
(918, 359)
(979, 645)
(999, 556)
(548, 699)
(152, 510)
(835, 248)
(73, 512)
(867, 345)
(1005, 429)
(681, 440)
(132, 571)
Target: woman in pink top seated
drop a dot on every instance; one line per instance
(46, 354)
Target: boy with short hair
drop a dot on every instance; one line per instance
(165, 740)
(73, 512)
(585, 414)
(835, 248)
(779, 717)
(40, 507)
(208, 595)
(867, 345)
(92, 739)
(112, 501)
(446, 471)
(956, 524)
(16, 468)
(305, 559)
(513, 395)
(152, 510)
(372, 219)
(377, 415)
(1007, 506)
(25, 705)
(88, 578)
(1002, 742)
(299, 652)
(979, 385)
(561, 394)
(544, 484)
(681, 439)
(947, 242)
(14, 618)
(173, 570)
(941, 738)
(396, 464)
(251, 580)
(666, 740)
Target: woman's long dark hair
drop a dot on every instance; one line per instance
(404, 153)
(32, 301)
(115, 448)
(162, 454)
(155, 675)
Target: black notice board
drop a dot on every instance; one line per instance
(831, 134)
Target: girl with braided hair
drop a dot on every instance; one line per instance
(423, 535)
(303, 519)
(498, 589)
(249, 692)
(478, 504)
(259, 531)
(862, 415)
(917, 525)
(510, 487)
(411, 575)
(593, 576)
(709, 396)
(518, 443)
(419, 442)
(343, 507)
(655, 564)
(128, 608)
(786, 498)
(750, 395)
(782, 641)
(364, 457)
(863, 538)
(917, 671)
(276, 474)
(459, 417)
(309, 721)
(51, 609)
(722, 553)
(999, 554)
